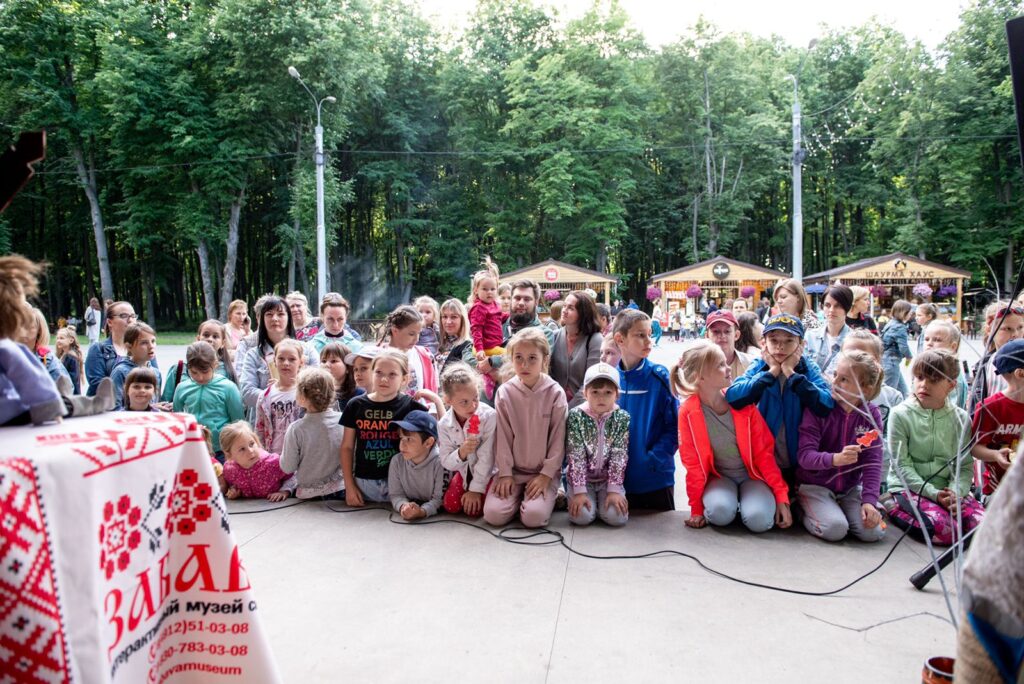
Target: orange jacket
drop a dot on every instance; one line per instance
(756, 445)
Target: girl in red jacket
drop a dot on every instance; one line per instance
(728, 453)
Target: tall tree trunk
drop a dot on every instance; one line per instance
(291, 271)
(87, 178)
(696, 212)
(228, 280)
(206, 273)
(1008, 267)
(300, 258)
(149, 291)
(601, 258)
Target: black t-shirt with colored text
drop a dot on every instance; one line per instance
(376, 443)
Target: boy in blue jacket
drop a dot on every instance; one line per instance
(653, 411)
(783, 383)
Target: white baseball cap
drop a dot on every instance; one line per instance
(599, 371)
(367, 351)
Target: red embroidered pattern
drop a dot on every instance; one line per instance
(191, 502)
(119, 535)
(33, 646)
(110, 448)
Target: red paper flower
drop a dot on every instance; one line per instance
(186, 526)
(108, 511)
(108, 569)
(123, 504)
(122, 560)
(188, 478)
(135, 516)
(201, 513)
(133, 540)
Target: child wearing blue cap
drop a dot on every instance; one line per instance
(783, 383)
(999, 421)
(416, 480)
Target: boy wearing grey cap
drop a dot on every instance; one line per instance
(416, 480)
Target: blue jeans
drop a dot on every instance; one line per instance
(597, 495)
(893, 376)
(373, 490)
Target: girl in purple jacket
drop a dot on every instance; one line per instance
(839, 462)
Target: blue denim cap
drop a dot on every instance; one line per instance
(417, 421)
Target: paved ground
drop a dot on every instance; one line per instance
(351, 595)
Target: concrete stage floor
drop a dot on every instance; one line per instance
(353, 597)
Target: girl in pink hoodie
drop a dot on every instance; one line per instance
(530, 437)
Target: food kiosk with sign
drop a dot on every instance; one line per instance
(563, 277)
(899, 276)
(719, 279)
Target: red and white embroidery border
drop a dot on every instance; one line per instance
(33, 642)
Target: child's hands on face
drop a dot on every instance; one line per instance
(411, 511)
(472, 503)
(847, 456)
(783, 516)
(277, 496)
(870, 516)
(696, 521)
(791, 361)
(774, 367)
(577, 503)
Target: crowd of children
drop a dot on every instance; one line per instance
(454, 410)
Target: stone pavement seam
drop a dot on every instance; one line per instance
(558, 613)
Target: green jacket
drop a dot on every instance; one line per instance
(923, 443)
(214, 404)
(320, 340)
(171, 380)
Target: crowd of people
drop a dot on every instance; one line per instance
(778, 414)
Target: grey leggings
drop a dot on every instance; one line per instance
(752, 499)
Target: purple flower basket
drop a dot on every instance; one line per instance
(694, 292)
(653, 293)
(747, 291)
(552, 295)
(879, 291)
(922, 290)
(946, 291)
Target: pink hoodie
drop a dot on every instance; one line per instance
(530, 438)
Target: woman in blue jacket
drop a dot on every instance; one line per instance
(102, 357)
(783, 383)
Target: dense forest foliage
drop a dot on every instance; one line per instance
(180, 172)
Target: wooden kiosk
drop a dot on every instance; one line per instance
(558, 275)
(898, 273)
(720, 278)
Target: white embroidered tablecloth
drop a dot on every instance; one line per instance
(117, 562)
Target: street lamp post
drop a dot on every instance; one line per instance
(798, 159)
(318, 158)
(798, 209)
